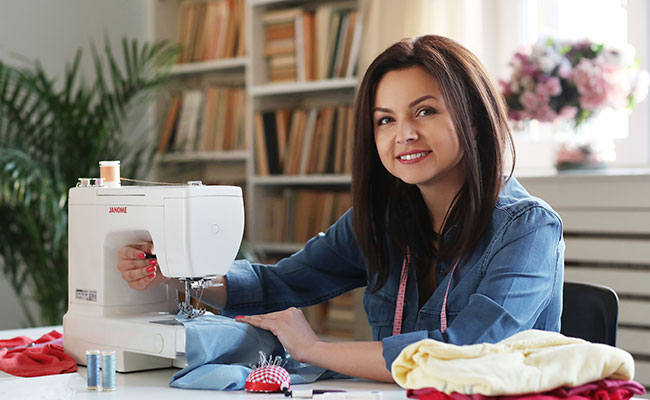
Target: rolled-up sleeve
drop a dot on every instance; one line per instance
(330, 264)
(520, 277)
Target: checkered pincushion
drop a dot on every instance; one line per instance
(270, 378)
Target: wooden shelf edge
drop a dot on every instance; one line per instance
(272, 89)
(209, 66)
(203, 156)
(321, 179)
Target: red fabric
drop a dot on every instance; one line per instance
(606, 389)
(44, 358)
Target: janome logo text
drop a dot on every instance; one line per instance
(117, 210)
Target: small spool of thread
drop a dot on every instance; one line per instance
(109, 171)
(108, 370)
(92, 369)
(99, 182)
(83, 182)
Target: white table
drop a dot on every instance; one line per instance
(147, 384)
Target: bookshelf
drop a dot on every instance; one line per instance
(198, 140)
(285, 204)
(275, 84)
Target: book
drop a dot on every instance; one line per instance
(210, 26)
(341, 126)
(285, 30)
(197, 32)
(332, 40)
(347, 43)
(322, 27)
(300, 48)
(340, 45)
(169, 124)
(280, 16)
(270, 131)
(353, 58)
(309, 53)
(349, 141)
(297, 134)
(282, 126)
(207, 141)
(224, 17)
(231, 29)
(189, 120)
(305, 151)
(261, 159)
(325, 139)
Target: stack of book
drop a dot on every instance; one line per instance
(205, 120)
(304, 141)
(211, 30)
(310, 44)
(294, 216)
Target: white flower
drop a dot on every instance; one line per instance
(621, 55)
(640, 86)
(528, 83)
(545, 56)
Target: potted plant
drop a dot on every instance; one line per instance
(53, 132)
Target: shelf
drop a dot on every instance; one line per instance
(203, 156)
(209, 66)
(285, 248)
(304, 87)
(329, 179)
(263, 3)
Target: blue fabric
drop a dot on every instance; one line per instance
(220, 352)
(510, 282)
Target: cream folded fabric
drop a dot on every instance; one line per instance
(528, 362)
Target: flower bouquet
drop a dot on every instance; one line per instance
(572, 81)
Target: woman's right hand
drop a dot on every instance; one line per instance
(138, 265)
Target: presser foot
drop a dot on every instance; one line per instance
(185, 307)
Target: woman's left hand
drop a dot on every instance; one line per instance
(290, 327)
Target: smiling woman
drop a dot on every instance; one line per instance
(447, 247)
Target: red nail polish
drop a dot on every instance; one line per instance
(141, 256)
(239, 316)
(151, 269)
(152, 262)
(152, 275)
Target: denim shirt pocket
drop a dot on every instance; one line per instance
(380, 310)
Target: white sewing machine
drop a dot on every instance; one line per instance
(196, 231)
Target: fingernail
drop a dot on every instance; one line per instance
(152, 275)
(151, 269)
(239, 317)
(141, 256)
(152, 262)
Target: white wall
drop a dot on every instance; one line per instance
(51, 31)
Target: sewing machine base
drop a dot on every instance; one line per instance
(151, 345)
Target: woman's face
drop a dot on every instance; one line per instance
(414, 133)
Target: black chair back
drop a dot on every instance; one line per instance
(590, 312)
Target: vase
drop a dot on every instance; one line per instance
(588, 146)
(584, 153)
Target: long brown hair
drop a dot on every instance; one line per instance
(388, 210)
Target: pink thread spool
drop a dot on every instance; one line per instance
(109, 171)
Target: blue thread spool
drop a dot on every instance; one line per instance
(92, 369)
(108, 370)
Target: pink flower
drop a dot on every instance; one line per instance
(529, 100)
(546, 114)
(600, 84)
(568, 112)
(549, 87)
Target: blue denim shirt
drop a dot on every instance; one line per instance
(510, 282)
